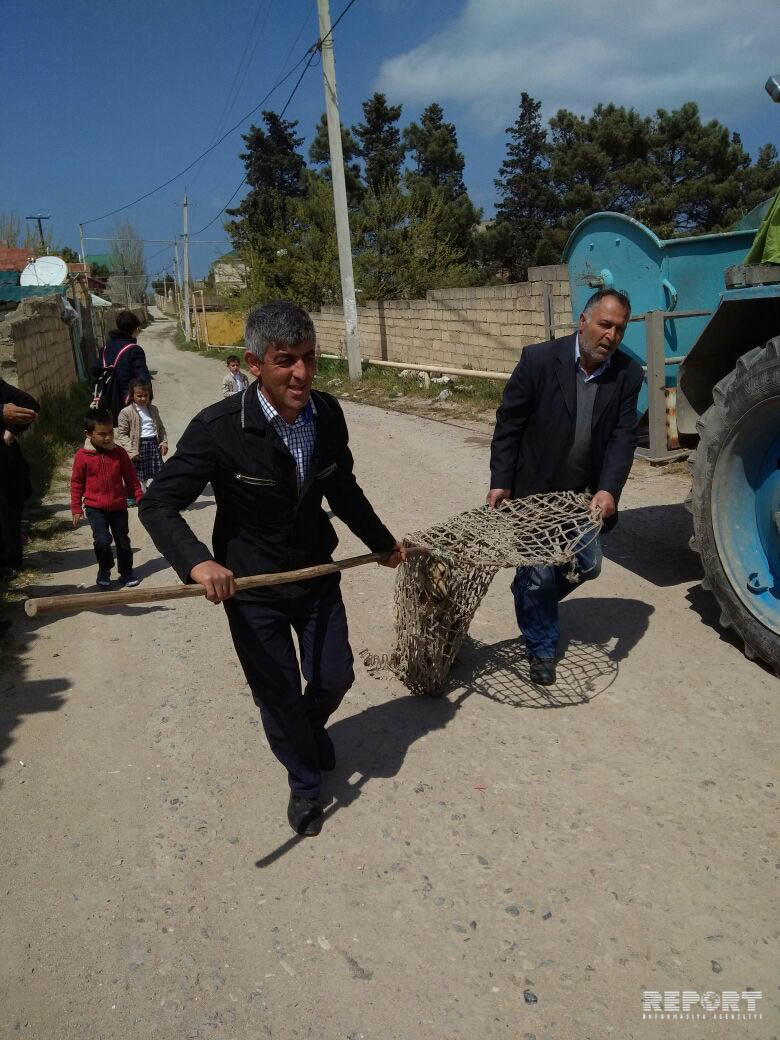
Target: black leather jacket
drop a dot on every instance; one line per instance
(263, 524)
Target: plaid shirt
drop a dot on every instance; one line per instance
(298, 437)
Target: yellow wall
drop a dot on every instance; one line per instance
(225, 329)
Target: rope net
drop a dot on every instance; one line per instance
(437, 595)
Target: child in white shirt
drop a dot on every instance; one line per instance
(141, 432)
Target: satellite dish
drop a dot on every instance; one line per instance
(46, 270)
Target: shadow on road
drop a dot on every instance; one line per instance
(374, 743)
(606, 631)
(652, 541)
(20, 696)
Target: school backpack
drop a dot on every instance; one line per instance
(107, 393)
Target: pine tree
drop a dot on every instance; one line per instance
(438, 175)
(380, 142)
(319, 155)
(274, 173)
(524, 184)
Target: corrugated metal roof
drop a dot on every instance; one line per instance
(17, 293)
(104, 259)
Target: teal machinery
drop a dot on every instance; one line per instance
(610, 250)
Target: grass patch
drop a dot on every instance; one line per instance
(55, 435)
(467, 395)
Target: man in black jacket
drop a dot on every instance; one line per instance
(271, 453)
(567, 422)
(18, 410)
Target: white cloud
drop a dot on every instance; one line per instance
(652, 54)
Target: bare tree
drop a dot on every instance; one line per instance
(128, 279)
(10, 229)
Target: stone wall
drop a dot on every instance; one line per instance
(36, 350)
(110, 313)
(483, 328)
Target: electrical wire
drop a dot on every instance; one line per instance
(241, 70)
(311, 53)
(197, 159)
(308, 57)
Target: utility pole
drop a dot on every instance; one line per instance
(186, 242)
(339, 192)
(177, 284)
(81, 241)
(40, 220)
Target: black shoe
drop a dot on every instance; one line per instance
(305, 815)
(325, 750)
(542, 670)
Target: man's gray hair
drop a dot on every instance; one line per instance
(601, 294)
(281, 323)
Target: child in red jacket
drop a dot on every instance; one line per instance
(103, 477)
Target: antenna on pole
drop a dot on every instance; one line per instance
(40, 219)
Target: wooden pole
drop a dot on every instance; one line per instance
(132, 597)
(205, 322)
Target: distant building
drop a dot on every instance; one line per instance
(229, 274)
(13, 259)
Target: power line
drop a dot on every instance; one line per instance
(234, 92)
(307, 57)
(311, 53)
(197, 159)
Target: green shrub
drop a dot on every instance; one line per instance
(58, 430)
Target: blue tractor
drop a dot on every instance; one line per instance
(707, 330)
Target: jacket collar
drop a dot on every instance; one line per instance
(89, 446)
(252, 415)
(566, 372)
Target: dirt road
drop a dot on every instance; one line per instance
(488, 870)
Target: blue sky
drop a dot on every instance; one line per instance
(102, 102)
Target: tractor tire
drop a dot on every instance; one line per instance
(735, 500)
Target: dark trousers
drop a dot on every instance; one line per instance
(10, 528)
(263, 637)
(107, 525)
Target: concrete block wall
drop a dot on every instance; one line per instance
(484, 328)
(36, 348)
(110, 313)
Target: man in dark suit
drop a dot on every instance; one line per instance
(567, 422)
(18, 410)
(271, 453)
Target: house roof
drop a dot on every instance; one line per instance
(12, 292)
(13, 259)
(104, 259)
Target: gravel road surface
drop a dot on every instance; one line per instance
(489, 869)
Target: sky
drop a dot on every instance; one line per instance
(104, 102)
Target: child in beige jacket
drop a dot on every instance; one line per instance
(141, 432)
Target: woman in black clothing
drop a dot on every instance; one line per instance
(132, 363)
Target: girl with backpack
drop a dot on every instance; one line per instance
(141, 432)
(120, 361)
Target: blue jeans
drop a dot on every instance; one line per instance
(539, 590)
